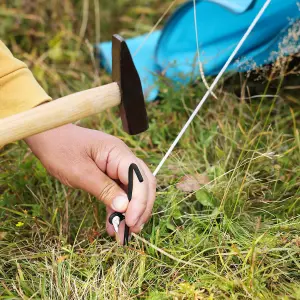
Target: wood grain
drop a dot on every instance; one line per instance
(59, 112)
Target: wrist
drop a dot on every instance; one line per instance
(32, 140)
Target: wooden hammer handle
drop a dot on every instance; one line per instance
(56, 113)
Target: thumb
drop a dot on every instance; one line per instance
(95, 182)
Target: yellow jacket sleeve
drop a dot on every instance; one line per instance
(19, 91)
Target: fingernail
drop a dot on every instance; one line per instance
(120, 203)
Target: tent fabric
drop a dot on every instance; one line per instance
(144, 60)
(220, 24)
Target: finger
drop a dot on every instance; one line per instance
(88, 177)
(138, 203)
(151, 198)
(116, 167)
(120, 165)
(109, 228)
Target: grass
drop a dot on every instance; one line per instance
(236, 237)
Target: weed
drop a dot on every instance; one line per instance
(235, 236)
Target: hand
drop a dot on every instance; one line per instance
(97, 163)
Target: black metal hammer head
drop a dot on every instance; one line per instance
(133, 109)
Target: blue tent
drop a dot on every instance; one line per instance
(220, 24)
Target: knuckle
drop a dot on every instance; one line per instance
(117, 142)
(121, 143)
(107, 192)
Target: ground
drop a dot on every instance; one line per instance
(226, 221)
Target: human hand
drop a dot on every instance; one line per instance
(97, 163)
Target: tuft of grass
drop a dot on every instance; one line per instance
(236, 237)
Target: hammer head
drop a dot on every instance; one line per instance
(133, 109)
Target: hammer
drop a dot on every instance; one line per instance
(125, 90)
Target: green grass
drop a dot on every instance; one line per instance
(237, 237)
